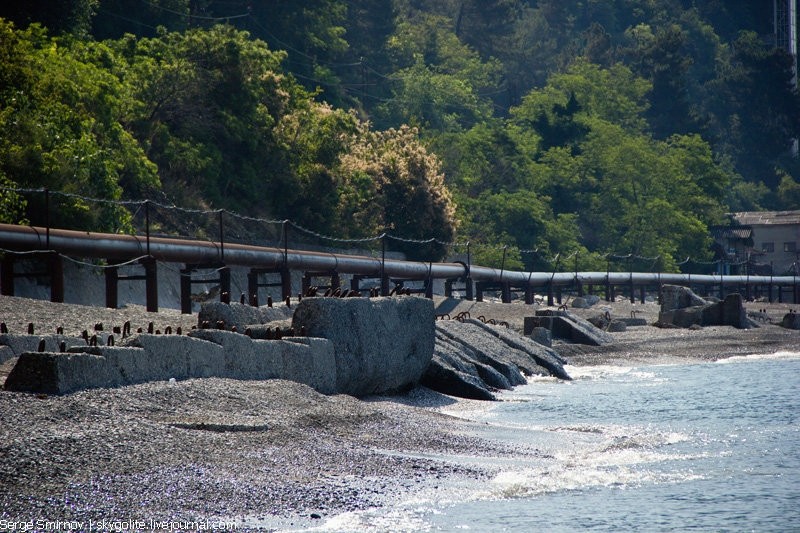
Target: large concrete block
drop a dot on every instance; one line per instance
(179, 356)
(241, 316)
(728, 312)
(57, 373)
(471, 340)
(381, 344)
(301, 359)
(308, 360)
(20, 344)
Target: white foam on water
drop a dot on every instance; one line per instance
(605, 372)
(377, 521)
(776, 356)
(535, 482)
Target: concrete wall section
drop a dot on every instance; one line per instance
(206, 353)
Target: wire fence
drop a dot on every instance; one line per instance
(66, 210)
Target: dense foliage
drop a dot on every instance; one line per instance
(535, 128)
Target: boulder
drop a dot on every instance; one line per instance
(591, 299)
(600, 320)
(791, 320)
(728, 312)
(471, 342)
(56, 373)
(545, 357)
(542, 336)
(564, 325)
(580, 303)
(679, 297)
(381, 345)
(203, 353)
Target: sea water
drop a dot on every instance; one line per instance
(696, 446)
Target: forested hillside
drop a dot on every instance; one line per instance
(530, 129)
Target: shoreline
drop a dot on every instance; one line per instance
(225, 449)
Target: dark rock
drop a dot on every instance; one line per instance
(617, 326)
(542, 336)
(600, 320)
(564, 325)
(679, 297)
(580, 303)
(470, 341)
(443, 378)
(492, 377)
(728, 312)
(791, 321)
(544, 357)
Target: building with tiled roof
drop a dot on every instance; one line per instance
(769, 238)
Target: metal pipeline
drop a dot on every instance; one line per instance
(126, 247)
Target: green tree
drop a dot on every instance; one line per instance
(439, 80)
(788, 192)
(753, 109)
(627, 192)
(391, 183)
(661, 57)
(207, 105)
(62, 129)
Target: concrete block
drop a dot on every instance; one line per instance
(381, 344)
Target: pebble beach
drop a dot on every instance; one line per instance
(261, 455)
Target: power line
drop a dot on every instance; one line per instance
(192, 16)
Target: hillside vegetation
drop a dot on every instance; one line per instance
(531, 129)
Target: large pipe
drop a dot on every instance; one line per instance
(125, 247)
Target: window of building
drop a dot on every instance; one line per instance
(789, 246)
(768, 247)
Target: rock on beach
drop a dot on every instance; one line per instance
(275, 449)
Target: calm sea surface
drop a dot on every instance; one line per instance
(705, 447)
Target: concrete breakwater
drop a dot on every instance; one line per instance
(355, 346)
